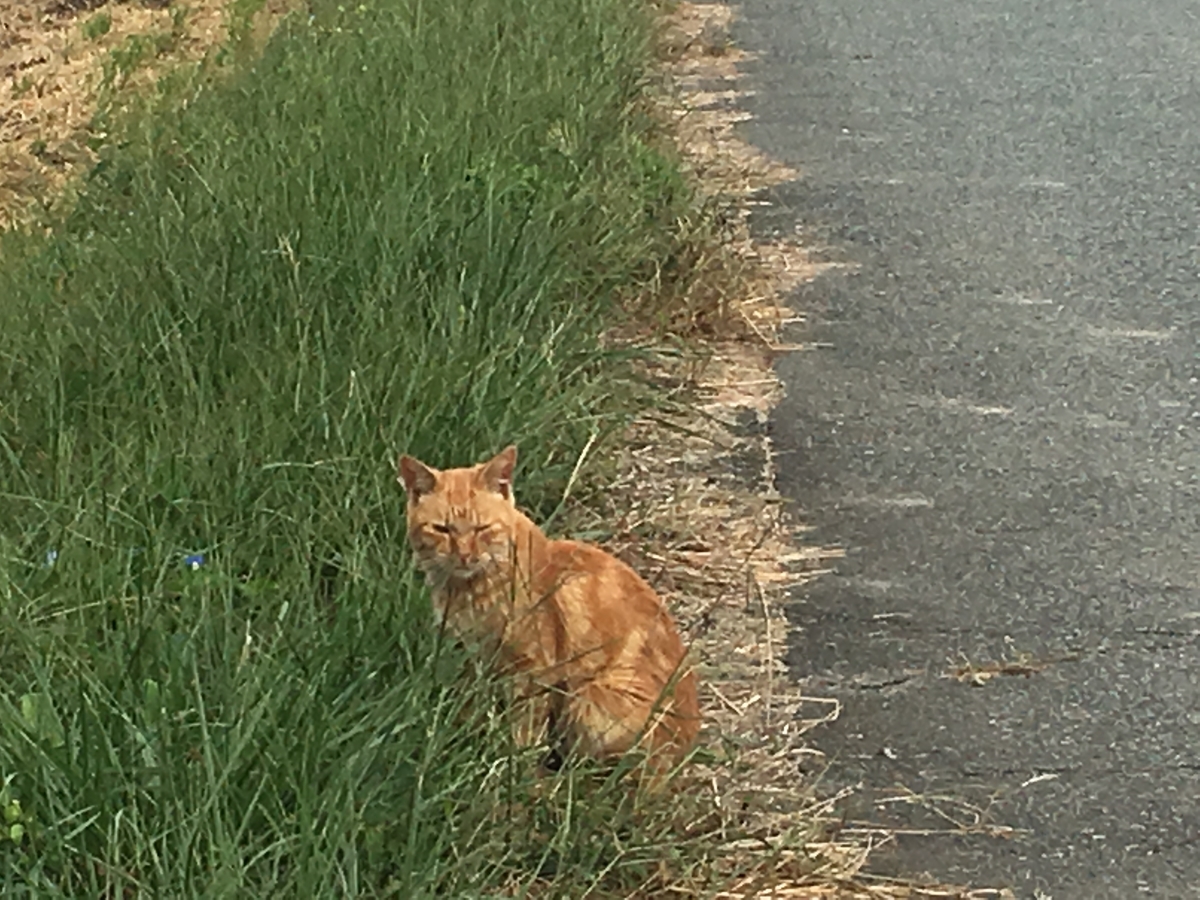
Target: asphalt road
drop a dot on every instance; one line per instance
(1002, 425)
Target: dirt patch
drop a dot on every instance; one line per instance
(63, 60)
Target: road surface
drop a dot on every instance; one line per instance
(1001, 426)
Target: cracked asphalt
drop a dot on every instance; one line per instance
(1001, 425)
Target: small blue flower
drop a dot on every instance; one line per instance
(194, 560)
(51, 558)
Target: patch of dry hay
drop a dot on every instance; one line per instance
(743, 278)
(695, 42)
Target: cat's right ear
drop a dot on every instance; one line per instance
(497, 472)
(416, 477)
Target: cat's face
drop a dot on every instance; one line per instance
(459, 520)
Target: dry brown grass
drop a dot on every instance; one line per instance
(726, 285)
(695, 509)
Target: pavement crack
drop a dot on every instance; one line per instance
(1025, 665)
(866, 683)
(1160, 631)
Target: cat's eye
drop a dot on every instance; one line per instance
(442, 528)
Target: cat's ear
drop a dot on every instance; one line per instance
(497, 473)
(416, 477)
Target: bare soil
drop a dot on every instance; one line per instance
(62, 60)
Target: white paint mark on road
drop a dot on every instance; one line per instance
(911, 502)
(1136, 334)
(976, 408)
(1044, 183)
(1045, 776)
(1023, 300)
(1099, 420)
(875, 584)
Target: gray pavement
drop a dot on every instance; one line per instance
(1003, 430)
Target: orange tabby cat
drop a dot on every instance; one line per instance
(598, 662)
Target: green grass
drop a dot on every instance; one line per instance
(402, 228)
(96, 26)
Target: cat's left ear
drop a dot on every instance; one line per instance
(497, 473)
